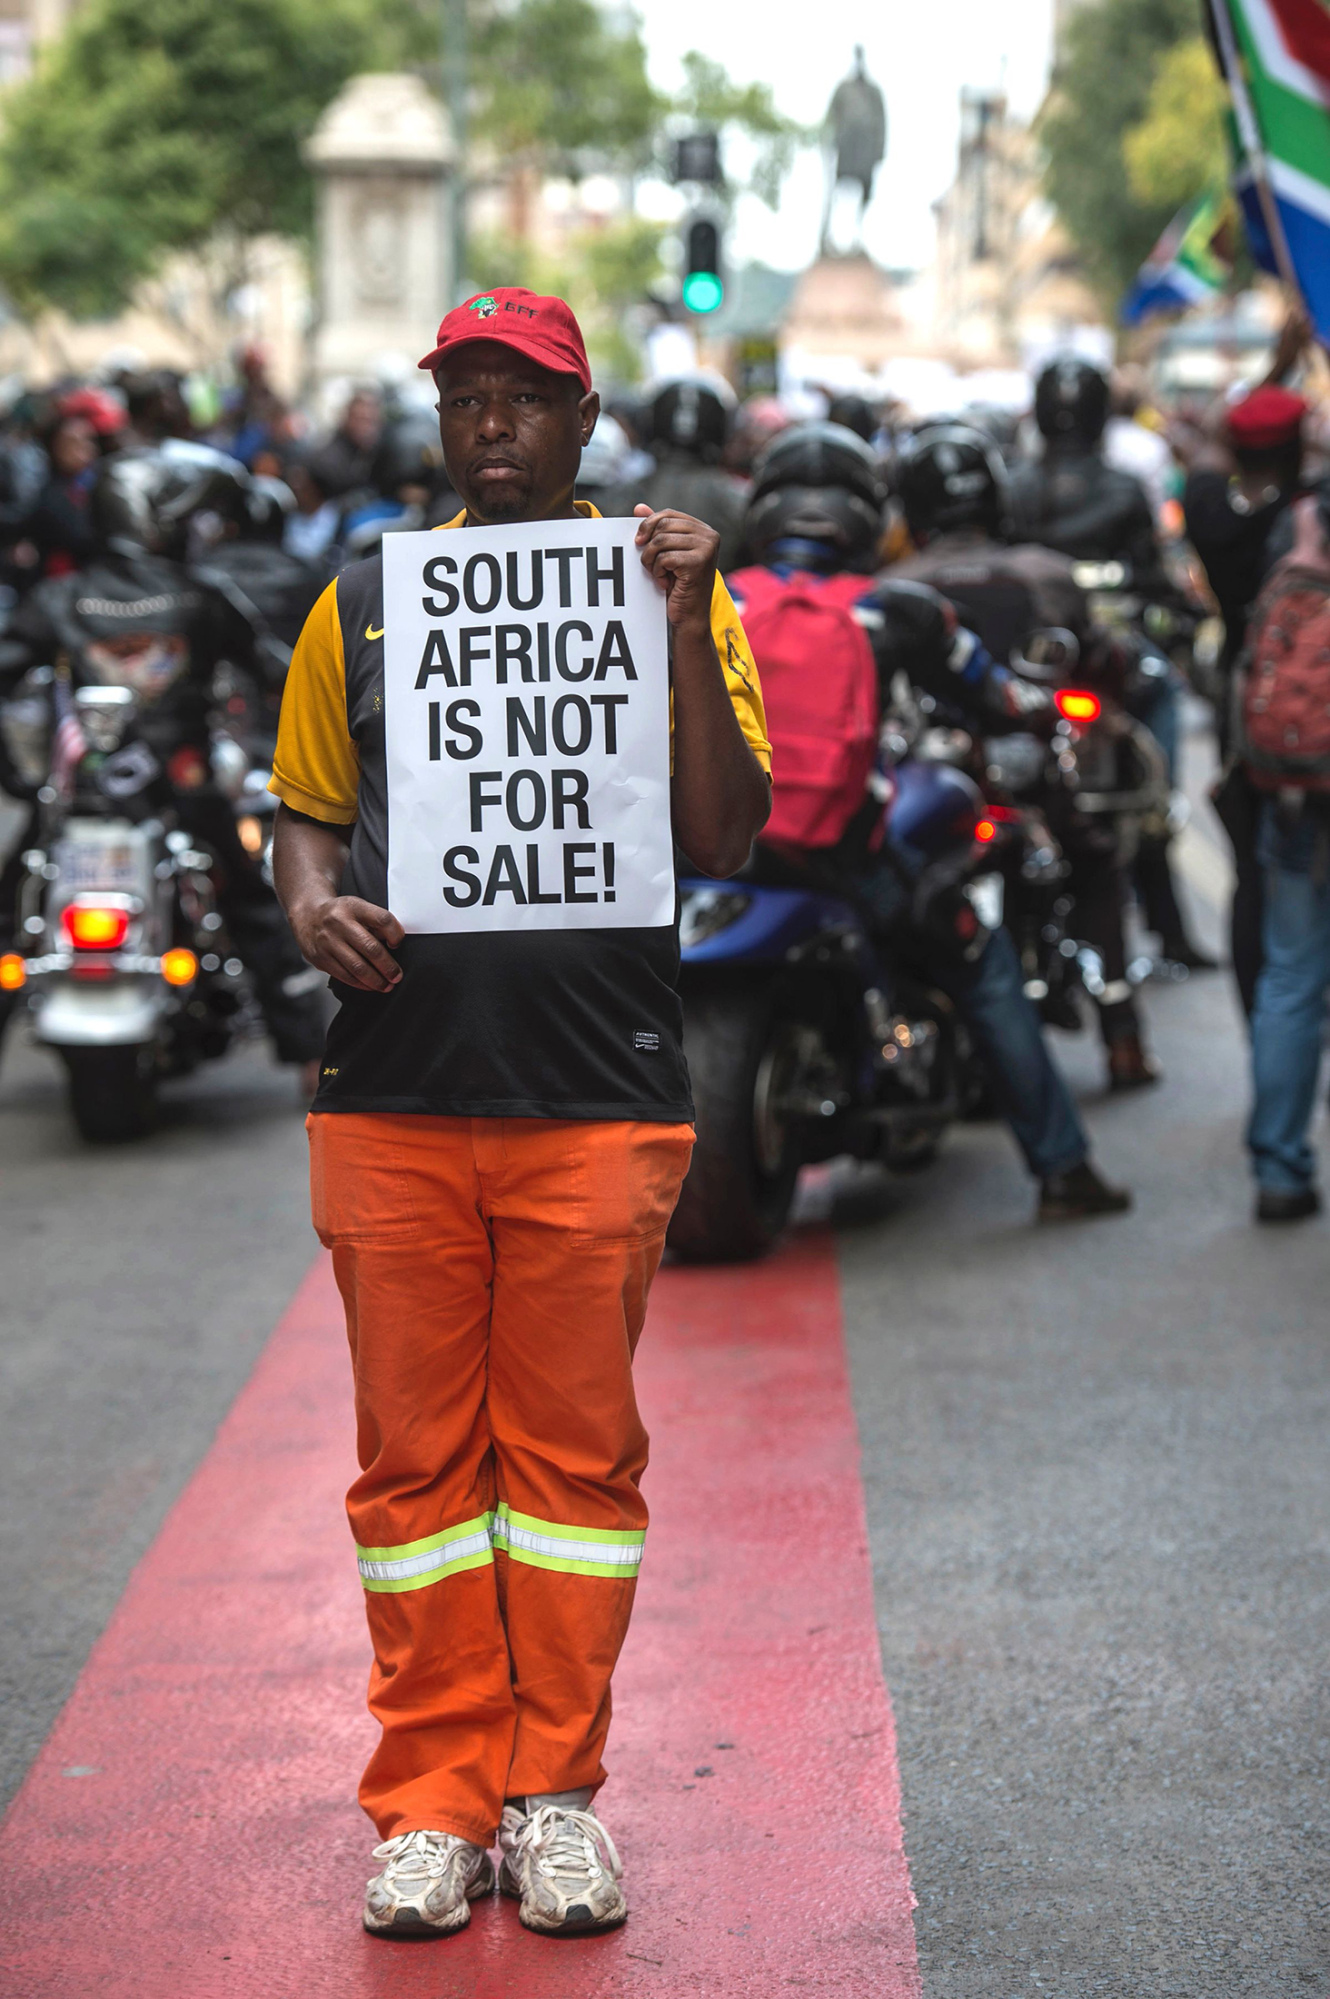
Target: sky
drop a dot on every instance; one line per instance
(921, 52)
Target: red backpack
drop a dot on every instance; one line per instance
(1286, 692)
(819, 688)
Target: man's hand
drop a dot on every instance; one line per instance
(346, 938)
(349, 939)
(679, 554)
(719, 795)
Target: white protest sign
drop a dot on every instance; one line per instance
(526, 705)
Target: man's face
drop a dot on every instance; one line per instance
(1261, 472)
(74, 447)
(512, 433)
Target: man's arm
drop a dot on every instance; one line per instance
(720, 796)
(1204, 447)
(341, 934)
(914, 631)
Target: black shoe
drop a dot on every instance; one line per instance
(1272, 1206)
(1129, 1067)
(1079, 1193)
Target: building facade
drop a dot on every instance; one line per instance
(1007, 285)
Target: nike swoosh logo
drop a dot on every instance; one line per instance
(370, 632)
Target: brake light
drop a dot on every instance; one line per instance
(179, 967)
(985, 831)
(13, 973)
(1074, 705)
(95, 926)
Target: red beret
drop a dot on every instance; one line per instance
(1265, 419)
(544, 329)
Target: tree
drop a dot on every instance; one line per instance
(710, 98)
(1101, 89)
(560, 85)
(556, 84)
(1179, 149)
(563, 85)
(160, 126)
(603, 272)
(154, 125)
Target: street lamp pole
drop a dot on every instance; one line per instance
(453, 37)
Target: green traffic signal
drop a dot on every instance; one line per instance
(703, 286)
(702, 291)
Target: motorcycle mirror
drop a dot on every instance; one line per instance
(1049, 653)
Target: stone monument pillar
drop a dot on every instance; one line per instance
(382, 152)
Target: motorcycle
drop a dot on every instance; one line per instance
(1073, 797)
(124, 958)
(1163, 610)
(803, 1041)
(1085, 795)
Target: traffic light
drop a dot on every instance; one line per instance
(697, 158)
(703, 285)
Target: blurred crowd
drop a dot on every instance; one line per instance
(688, 443)
(149, 529)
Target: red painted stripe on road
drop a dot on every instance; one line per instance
(189, 1830)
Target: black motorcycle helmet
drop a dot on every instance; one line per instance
(1071, 400)
(821, 454)
(822, 528)
(409, 453)
(690, 417)
(138, 594)
(1000, 426)
(854, 413)
(155, 404)
(269, 504)
(951, 477)
(142, 502)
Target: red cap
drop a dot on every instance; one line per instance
(1265, 419)
(104, 412)
(544, 329)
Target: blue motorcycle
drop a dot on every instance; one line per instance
(811, 1027)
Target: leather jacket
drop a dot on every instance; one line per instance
(1073, 501)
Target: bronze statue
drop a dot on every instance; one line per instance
(857, 128)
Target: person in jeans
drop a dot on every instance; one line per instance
(1288, 1019)
(816, 516)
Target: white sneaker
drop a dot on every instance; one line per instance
(427, 1886)
(563, 1867)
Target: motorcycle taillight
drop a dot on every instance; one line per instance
(96, 926)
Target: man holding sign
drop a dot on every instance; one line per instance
(490, 741)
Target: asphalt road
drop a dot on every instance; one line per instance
(1098, 1486)
(1095, 1461)
(138, 1286)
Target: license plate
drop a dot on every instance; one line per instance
(98, 864)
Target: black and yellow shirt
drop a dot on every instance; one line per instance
(548, 1023)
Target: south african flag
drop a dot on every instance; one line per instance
(1275, 55)
(1187, 265)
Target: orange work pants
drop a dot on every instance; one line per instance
(495, 1275)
